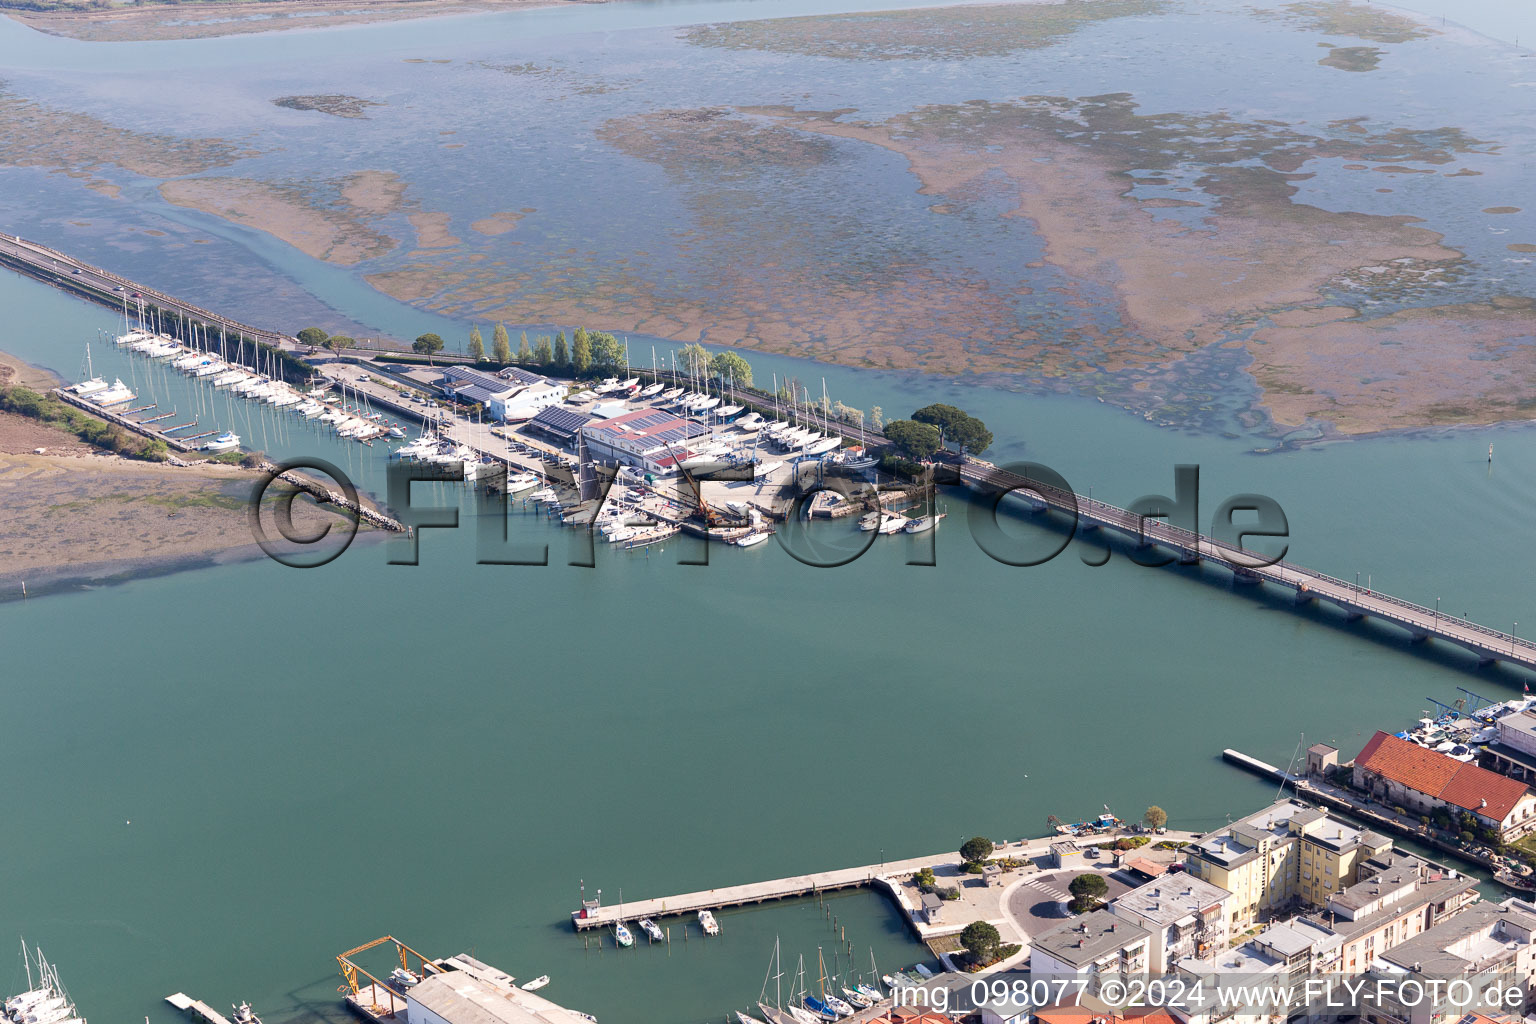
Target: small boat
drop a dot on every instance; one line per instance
(750, 539)
(858, 999)
(892, 523)
(869, 992)
(245, 1015)
(746, 1018)
(922, 971)
(924, 523)
(622, 935)
(403, 979)
(820, 1009)
(520, 482)
(857, 459)
(544, 494)
(838, 1007)
(117, 394)
(708, 923)
(671, 393)
(395, 431)
(225, 442)
(652, 931)
(535, 984)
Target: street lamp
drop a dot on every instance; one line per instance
(1437, 611)
(1357, 581)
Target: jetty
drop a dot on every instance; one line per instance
(199, 1009)
(1420, 622)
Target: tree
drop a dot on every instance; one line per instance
(728, 365)
(1155, 817)
(501, 345)
(428, 345)
(877, 418)
(919, 440)
(982, 940)
(958, 426)
(695, 359)
(524, 353)
(607, 351)
(543, 354)
(339, 343)
(314, 337)
(924, 879)
(581, 352)
(562, 354)
(1087, 890)
(476, 344)
(975, 849)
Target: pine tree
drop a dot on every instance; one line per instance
(476, 344)
(501, 345)
(562, 354)
(524, 353)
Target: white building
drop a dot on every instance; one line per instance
(1487, 944)
(476, 993)
(1183, 916)
(1097, 946)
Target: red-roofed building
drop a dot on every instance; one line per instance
(1421, 780)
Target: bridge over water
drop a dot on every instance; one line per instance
(1421, 623)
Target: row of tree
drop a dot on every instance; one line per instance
(934, 426)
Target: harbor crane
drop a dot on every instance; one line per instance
(710, 517)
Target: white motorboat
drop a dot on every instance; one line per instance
(87, 388)
(544, 494)
(708, 923)
(535, 984)
(751, 539)
(402, 978)
(245, 1015)
(651, 929)
(520, 482)
(226, 441)
(117, 394)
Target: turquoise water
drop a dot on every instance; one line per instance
(447, 752)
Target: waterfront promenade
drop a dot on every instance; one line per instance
(1309, 585)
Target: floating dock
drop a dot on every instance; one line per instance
(199, 1009)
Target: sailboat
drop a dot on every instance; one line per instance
(826, 1007)
(622, 935)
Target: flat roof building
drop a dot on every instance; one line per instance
(1183, 916)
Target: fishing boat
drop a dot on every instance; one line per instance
(651, 930)
(225, 442)
(708, 923)
(751, 539)
(535, 984)
(922, 524)
(622, 935)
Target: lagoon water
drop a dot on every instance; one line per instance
(446, 752)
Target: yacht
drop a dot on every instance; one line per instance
(751, 539)
(620, 534)
(117, 394)
(544, 494)
(520, 482)
(922, 524)
(226, 441)
(708, 923)
(87, 388)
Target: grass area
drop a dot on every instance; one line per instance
(96, 432)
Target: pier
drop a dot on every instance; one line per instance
(136, 426)
(199, 1009)
(1418, 621)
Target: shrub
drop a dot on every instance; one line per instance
(972, 867)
